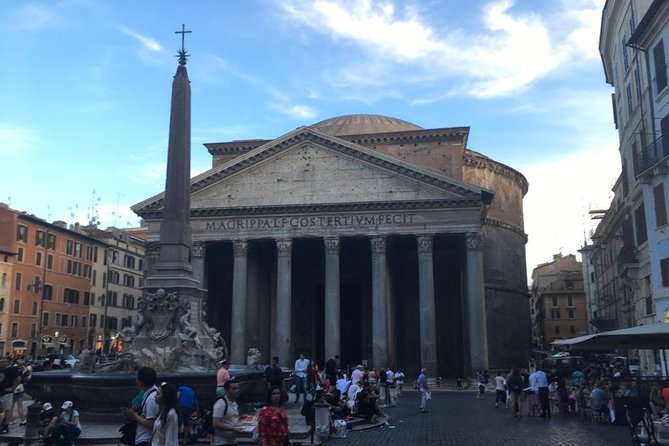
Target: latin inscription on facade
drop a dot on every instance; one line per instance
(331, 221)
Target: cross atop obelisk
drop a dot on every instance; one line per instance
(182, 54)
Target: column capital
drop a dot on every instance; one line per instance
(152, 250)
(332, 245)
(474, 241)
(240, 247)
(199, 249)
(284, 247)
(425, 243)
(378, 245)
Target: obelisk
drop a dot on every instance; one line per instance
(171, 308)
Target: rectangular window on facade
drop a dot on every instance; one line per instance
(17, 306)
(637, 83)
(49, 261)
(129, 261)
(664, 269)
(640, 224)
(15, 329)
(17, 281)
(87, 298)
(51, 241)
(630, 104)
(77, 249)
(48, 292)
(19, 255)
(83, 321)
(94, 319)
(64, 320)
(570, 300)
(554, 301)
(649, 305)
(570, 313)
(40, 238)
(660, 67)
(38, 258)
(74, 321)
(71, 296)
(58, 319)
(34, 312)
(21, 233)
(45, 318)
(94, 277)
(555, 313)
(33, 331)
(660, 205)
(623, 48)
(69, 247)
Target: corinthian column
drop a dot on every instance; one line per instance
(332, 298)
(426, 306)
(284, 249)
(379, 303)
(238, 322)
(476, 312)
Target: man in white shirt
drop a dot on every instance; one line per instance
(390, 383)
(301, 377)
(225, 416)
(149, 410)
(539, 383)
(353, 390)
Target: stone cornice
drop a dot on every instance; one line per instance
(412, 136)
(301, 136)
(235, 147)
(507, 226)
(304, 209)
(476, 161)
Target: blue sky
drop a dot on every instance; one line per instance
(84, 113)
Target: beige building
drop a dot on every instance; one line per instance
(558, 300)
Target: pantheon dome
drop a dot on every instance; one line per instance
(363, 125)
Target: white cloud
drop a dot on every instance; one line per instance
(149, 47)
(15, 140)
(31, 17)
(298, 112)
(509, 52)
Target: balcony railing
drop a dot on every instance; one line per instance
(650, 156)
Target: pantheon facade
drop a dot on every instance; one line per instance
(364, 236)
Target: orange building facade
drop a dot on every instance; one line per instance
(48, 293)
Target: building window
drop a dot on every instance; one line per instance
(128, 280)
(4, 280)
(49, 261)
(74, 321)
(660, 206)
(554, 300)
(17, 281)
(640, 224)
(637, 83)
(51, 241)
(649, 305)
(19, 255)
(45, 318)
(94, 320)
(129, 261)
(87, 298)
(623, 47)
(22, 233)
(630, 108)
(570, 313)
(660, 66)
(38, 258)
(40, 238)
(64, 319)
(17, 306)
(570, 300)
(664, 269)
(2, 304)
(83, 321)
(15, 329)
(69, 247)
(33, 331)
(555, 313)
(34, 312)
(71, 296)
(48, 292)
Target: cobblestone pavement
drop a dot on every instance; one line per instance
(462, 419)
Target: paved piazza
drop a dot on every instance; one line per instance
(461, 419)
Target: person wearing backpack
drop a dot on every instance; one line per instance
(149, 410)
(225, 416)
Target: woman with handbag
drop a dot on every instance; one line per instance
(273, 420)
(166, 427)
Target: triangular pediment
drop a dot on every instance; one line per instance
(307, 168)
